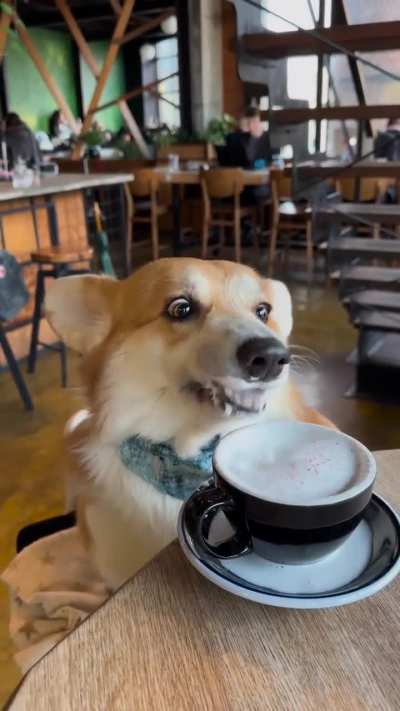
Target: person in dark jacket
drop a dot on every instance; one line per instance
(250, 145)
(250, 148)
(20, 142)
(387, 143)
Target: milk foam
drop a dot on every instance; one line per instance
(299, 469)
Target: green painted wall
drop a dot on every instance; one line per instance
(111, 117)
(27, 93)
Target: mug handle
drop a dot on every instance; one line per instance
(211, 501)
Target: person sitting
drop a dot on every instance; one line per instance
(387, 142)
(387, 145)
(59, 130)
(250, 148)
(20, 141)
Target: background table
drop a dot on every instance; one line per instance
(177, 178)
(170, 640)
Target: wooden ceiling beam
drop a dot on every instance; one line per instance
(134, 92)
(332, 113)
(90, 60)
(147, 26)
(40, 65)
(5, 21)
(111, 55)
(75, 31)
(116, 6)
(369, 37)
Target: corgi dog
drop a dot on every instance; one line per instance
(177, 355)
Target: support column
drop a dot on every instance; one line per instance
(205, 29)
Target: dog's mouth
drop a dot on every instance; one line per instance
(250, 400)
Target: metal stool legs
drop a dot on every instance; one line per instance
(37, 313)
(59, 271)
(15, 370)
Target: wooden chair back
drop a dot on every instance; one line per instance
(188, 151)
(146, 183)
(221, 183)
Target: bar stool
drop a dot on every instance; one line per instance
(54, 262)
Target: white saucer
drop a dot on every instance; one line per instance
(367, 562)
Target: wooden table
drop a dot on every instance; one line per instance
(169, 640)
(176, 178)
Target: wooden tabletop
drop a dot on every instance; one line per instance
(363, 169)
(64, 183)
(192, 177)
(169, 640)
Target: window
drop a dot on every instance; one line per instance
(161, 105)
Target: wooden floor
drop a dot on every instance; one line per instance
(31, 485)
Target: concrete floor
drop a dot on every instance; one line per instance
(31, 485)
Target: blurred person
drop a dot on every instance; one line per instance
(20, 141)
(387, 142)
(387, 145)
(59, 130)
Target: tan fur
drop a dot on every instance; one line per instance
(136, 362)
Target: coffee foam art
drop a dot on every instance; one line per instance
(292, 466)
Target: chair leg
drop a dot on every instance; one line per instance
(15, 370)
(205, 236)
(154, 235)
(309, 249)
(236, 235)
(37, 313)
(63, 363)
(272, 247)
(221, 236)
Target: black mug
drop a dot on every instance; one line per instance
(281, 528)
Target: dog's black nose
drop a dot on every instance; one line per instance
(262, 358)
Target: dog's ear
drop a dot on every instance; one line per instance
(282, 313)
(80, 309)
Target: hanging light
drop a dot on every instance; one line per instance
(170, 25)
(147, 52)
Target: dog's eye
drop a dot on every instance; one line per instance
(179, 309)
(263, 311)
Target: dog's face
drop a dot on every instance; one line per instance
(182, 341)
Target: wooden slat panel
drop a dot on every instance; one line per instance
(369, 37)
(332, 113)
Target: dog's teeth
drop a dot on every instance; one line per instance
(228, 409)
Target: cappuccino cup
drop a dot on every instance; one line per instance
(291, 492)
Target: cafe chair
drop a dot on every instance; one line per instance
(221, 189)
(13, 298)
(289, 218)
(146, 208)
(54, 262)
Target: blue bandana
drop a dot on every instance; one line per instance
(158, 464)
